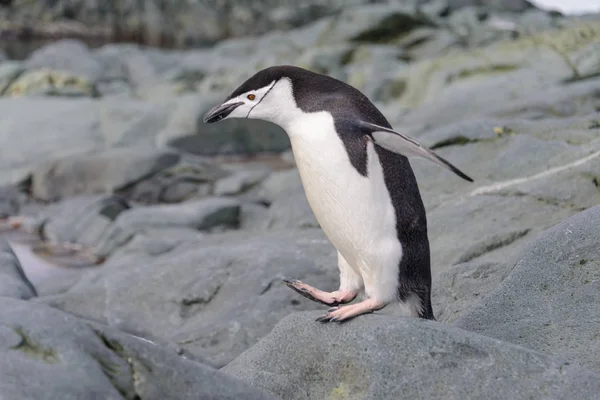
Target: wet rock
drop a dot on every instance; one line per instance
(304, 359)
(47, 352)
(549, 301)
(13, 281)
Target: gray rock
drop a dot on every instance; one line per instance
(130, 122)
(550, 299)
(9, 71)
(135, 65)
(515, 221)
(254, 217)
(503, 150)
(10, 201)
(154, 23)
(13, 281)
(469, 30)
(199, 214)
(45, 352)
(49, 82)
(156, 241)
(377, 71)
(461, 286)
(328, 60)
(102, 224)
(192, 177)
(425, 42)
(67, 55)
(214, 303)
(288, 206)
(239, 181)
(80, 219)
(203, 214)
(495, 77)
(378, 23)
(382, 357)
(185, 130)
(504, 5)
(104, 172)
(65, 127)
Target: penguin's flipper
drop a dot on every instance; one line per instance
(402, 144)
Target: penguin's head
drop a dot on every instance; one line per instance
(267, 95)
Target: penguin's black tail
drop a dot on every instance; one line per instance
(420, 306)
(427, 311)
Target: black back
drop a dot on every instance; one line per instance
(315, 92)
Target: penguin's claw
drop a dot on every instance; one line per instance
(345, 313)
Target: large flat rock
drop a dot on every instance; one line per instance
(379, 357)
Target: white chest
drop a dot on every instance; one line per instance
(355, 211)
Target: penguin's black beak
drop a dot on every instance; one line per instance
(219, 112)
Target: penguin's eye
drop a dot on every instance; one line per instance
(251, 96)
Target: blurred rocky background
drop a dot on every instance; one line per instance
(142, 250)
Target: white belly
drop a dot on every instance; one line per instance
(354, 211)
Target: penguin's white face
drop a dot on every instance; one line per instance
(250, 104)
(273, 102)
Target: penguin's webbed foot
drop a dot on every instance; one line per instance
(319, 296)
(345, 313)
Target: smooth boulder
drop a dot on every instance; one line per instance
(550, 299)
(381, 357)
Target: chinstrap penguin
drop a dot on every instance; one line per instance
(358, 182)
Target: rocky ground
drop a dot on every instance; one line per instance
(174, 236)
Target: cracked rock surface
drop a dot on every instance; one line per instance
(46, 352)
(214, 303)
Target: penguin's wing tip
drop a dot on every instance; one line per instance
(400, 143)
